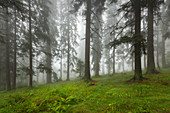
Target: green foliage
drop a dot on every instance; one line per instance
(79, 67)
(110, 94)
(132, 40)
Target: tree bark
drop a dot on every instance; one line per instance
(150, 46)
(138, 70)
(87, 76)
(15, 54)
(8, 81)
(30, 41)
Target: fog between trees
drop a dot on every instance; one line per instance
(47, 41)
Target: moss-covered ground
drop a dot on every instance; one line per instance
(108, 94)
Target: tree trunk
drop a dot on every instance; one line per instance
(123, 65)
(103, 70)
(61, 67)
(49, 62)
(157, 56)
(132, 63)
(68, 46)
(30, 37)
(87, 76)
(114, 71)
(163, 53)
(145, 67)
(15, 54)
(8, 81)
(97, 52)
(150, 47)
(138, 70)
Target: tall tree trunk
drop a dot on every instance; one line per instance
(132, 63)
(157, 56)
(15, 54)
(61, 67)
(138, 70)
(150, 46)
(123, 65)
(8, 81)
(114, 71)
(108, 66)
(87, 76)
(103, 70)
(97, 54)
(97, 66)
(30, 37)
(49, 61)
(145, 67)
(68, 52)
(68, 48)
(163, 52)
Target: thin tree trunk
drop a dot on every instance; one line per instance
(68, 49)
(123, 65)
(132, 63)
(87, 45)
(30, 37)
(114, 71)
(157, 56)
(8, 81)
(61, 67)
(15, 54)
(68, 52)
(150, 47)
(163, 53)
(138, 70)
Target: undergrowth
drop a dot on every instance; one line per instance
(110, 94)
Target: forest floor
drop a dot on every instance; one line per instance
(111, 94)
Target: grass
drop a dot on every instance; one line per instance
(110, 94)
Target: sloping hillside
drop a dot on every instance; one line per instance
(105, 94)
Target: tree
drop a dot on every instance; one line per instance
(87, 76)
(30, 44)
(79, 67)
(137, 46)
(15, 53)
(150, 41)
(8, 81)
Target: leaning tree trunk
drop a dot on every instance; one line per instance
(30, 41)
(150, 41)
(15, 54)
(87, 76)
(8, 82)
(138, 70)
